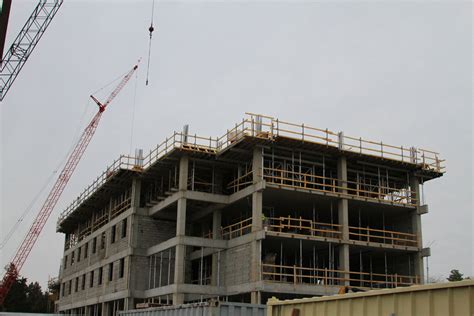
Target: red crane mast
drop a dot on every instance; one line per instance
(25, 248)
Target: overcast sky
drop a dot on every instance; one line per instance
(395, 71)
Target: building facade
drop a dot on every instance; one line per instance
(270, 208)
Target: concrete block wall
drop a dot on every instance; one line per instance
(101, 254)
(151, 231)
(112, 252)
(121, 243)
(235, 265)
(118, 283)
(139, 273)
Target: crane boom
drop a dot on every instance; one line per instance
(53, 197)
(23, 45)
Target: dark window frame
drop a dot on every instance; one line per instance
(94, 245)
(91, 279)
(121, 268)
(83, 282)
(111, 271)
(113, 233)
(100, 276)
(123, 233)
(103, 240)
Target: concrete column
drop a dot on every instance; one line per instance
(343, 216)
(257, 223)
(257, 165)
(135, 195)
(257, 213)
(129, 303)
(181, 217)
(179, 264)
(255, 297)
(183, 173)
(216, 234)
(416, 226)
(104, 309)
(216, 223)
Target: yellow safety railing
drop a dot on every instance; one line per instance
(294, 179)
(236, 230)
(175, 141)
(122, 163)
(266, 127)
(305, 275)
(382, 236)
(301, 226)
(269, 128)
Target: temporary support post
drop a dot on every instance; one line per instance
(343, 216)
(179, 267)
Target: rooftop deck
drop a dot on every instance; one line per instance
(257, 127)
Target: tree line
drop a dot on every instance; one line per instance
(30, 298)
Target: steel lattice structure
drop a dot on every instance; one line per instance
(53, 197)
(24, 44)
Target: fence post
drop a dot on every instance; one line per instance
(326, 276)
(294, 274)
(371, 279)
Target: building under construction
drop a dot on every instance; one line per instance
(270, 208)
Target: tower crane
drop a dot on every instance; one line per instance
(53, 197)
(25, 42)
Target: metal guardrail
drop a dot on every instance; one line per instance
(267, 127)
(177, 140)
(122, 163)
(301, 275)
(263, 127)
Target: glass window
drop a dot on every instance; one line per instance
(86, 250)
(94, 245)
(99, 277)
(112, 235)
(111, 271)
(121, 267)
(124, 228)
(91, 279)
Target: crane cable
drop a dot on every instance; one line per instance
(133, 113)
(150, 29)
(46, 184)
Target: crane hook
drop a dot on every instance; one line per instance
(150, 29)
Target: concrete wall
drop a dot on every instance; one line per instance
(235, 264)
(151, 231)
